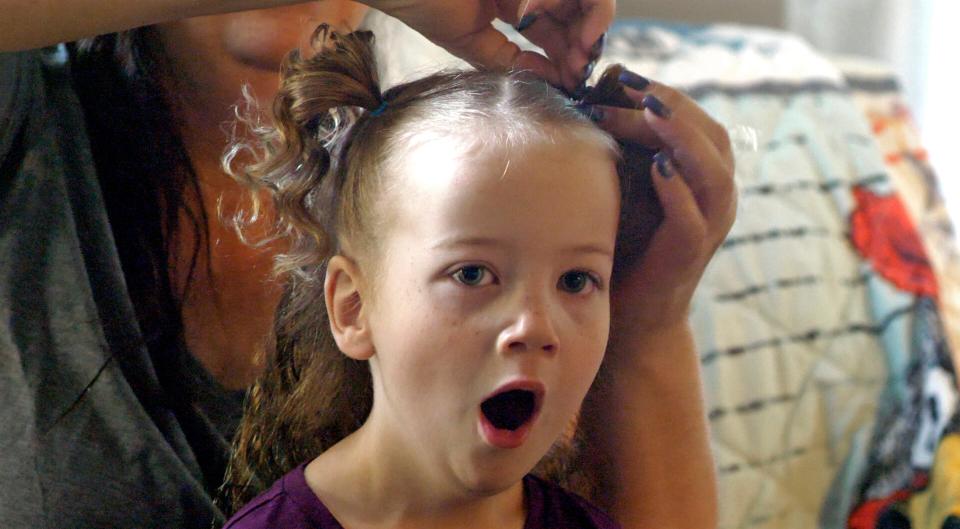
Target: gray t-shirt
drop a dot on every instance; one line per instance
(88, 435)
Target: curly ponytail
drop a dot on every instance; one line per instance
(309, 396)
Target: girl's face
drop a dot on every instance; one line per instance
(495, 277)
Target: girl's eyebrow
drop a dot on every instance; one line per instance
(453, 242)
(590, 248)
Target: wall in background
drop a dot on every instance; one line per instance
(756, 12)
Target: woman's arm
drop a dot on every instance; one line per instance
(646, 421)
(28, 24)
(568, 30)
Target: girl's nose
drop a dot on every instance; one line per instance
(531, 330)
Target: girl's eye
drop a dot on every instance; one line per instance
(576, 281)
(473, 275)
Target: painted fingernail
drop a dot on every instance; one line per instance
(637, 82)
(588, 70)
(597, 49)
(663, 164)
(526, 21)
(650, 101)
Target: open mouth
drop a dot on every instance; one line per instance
(507, 416)
(511, 409)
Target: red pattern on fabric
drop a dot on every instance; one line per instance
(883, 233)
(865, 516)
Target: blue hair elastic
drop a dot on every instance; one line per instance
(379, 110)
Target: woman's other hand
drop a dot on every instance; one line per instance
(648, 424)
(693, 177)
(569, 31)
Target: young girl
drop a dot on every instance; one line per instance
(451, 249)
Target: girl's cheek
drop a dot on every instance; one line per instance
(460, 300)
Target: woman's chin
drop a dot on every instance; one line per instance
(262, 38)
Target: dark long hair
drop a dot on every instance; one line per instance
(152, 197)
(148, 183)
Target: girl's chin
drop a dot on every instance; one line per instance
(492, 484)
(491, 476)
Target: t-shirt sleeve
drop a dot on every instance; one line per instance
(79, 446)
(21, 494)
(19, 77)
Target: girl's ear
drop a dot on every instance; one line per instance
(348, 321)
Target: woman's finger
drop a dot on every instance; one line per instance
(707, 171)
(669, 103)
(674, 102)
(674, 123)
(554, 38)
(704, 169)
(490, 49)
(684, 226)
(626, 124)
(569, 31)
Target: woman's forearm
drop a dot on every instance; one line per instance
(647, 433)
(28, 24)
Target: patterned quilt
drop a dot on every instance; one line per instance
(830, 382)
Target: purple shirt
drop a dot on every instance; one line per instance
(291, 504)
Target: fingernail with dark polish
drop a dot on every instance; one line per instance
(526, 21)
(588, 70)
(597, 49)
(650, 101)
(637, 82)
(663, 164)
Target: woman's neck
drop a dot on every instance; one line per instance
(229, 306)
(373, 481)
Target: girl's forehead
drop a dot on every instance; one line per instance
(449, 185)
(467, 156)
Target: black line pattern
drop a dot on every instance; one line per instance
(780, 284)
(788, 282)
(757, 405)
(798, 232)
(794, 139)
(768, 88)
(809, 336)
(764, 518)
(825, 186)
(752, 406)
(873, 84)
(779, 458)
(862, 279)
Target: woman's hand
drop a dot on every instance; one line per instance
(646, 424)
(693, 177)
(569, 31)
